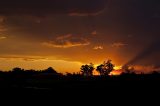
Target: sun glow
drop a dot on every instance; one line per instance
(118, 67)
(117, 70)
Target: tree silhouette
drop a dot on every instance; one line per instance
(49, 70)
(128, 69)
(100, 69)
(87, 70)
(18, 70)
(105, 68)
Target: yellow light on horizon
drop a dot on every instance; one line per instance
(117, 70)
(118, 67)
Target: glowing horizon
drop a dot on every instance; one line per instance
(69, 34)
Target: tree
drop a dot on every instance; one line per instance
(105, 68)
(109, 66)
(128, 69)
(87, 70)
(49, 70)
(100, 69)
(17, 70)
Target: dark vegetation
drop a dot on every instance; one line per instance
(42, 81)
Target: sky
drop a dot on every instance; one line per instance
(65, 34)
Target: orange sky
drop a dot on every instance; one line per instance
(69, 34)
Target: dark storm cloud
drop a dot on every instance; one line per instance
(123, 17)
(42, 7)
(150, 50)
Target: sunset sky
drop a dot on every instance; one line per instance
(65, 34)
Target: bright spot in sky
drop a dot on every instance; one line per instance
(118, 67)
(2, 37)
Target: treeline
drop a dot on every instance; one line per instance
(50, 78)
(103, 69)
(20, 71)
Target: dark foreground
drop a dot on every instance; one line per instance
(59, 86)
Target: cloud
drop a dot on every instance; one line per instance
(2, 19)
(86, 14)
(64, 37)
(2, 37)
(82, 14)
(96, 12)
(151, 49)
(10, 7)
(24, 58)
(156, 15)
(2, 27)
(98, 48)
(118, 44)
(94, 33)
(67, 41)
(146, 69)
